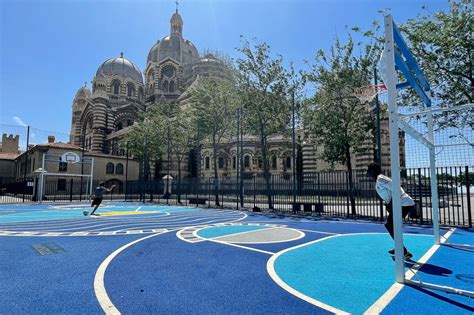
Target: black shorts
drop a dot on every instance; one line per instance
(405, 210)
(96, 201)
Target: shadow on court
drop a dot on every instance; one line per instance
(429, 268)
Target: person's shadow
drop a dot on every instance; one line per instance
(428, 268)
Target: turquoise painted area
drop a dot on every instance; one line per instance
(217, 231)
(347, 272)
(41, 212)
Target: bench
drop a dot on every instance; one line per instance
(197, 201)
(308, 206)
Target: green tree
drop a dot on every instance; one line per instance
(183, 135)
(443, 45)
(144, 141)
(465, 178)
(263, 85)
(334, 117)
(214, 102)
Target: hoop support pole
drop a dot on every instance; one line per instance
(440, 288)
(391, 84)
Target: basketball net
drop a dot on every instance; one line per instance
(367, 93)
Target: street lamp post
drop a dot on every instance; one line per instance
(294, 151)
(167, 192)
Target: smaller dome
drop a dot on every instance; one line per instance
(120, 67)
(83, 92)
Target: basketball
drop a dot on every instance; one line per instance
(85, 212)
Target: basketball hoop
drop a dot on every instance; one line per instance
(70, 157)
(367, 93)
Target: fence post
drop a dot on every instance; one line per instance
(468, 188)
(209, 191)
(420, 193)
(70, 190)
(348, 194)
(254, 191)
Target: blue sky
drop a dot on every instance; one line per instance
(49, 48)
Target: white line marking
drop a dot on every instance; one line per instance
(300, 235)
(271, 271)
(241, 246)
(388, 296)
(319, 232)
(107, 306)
(138, 209)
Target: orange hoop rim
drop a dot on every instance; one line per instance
(367, 93)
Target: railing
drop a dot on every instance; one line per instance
(323, 193)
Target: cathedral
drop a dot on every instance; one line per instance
(120, 91)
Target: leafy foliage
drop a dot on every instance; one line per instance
(263, 85)
(334, 117)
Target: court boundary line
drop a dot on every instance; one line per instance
(393, 291)
(99, 287)
(274, 276)
(271, 271)
(242, 246)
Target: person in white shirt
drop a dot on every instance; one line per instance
(383, 186)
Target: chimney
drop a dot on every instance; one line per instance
(51, 139)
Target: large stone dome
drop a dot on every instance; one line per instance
(120, 67)
(174, 47)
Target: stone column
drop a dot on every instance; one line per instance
(99, 125)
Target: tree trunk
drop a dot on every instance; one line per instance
(266, 171)
(351, 184)
(179, 181)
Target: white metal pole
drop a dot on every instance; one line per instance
(394, 149)
(92, 176)
(40, 189)
(433, 181)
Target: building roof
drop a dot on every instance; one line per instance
(8, 156)
(120, 67)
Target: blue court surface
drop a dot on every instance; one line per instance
(141, 258)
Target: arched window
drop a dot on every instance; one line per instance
(274, 162)
(165, 86)
(116, 86)
(234, 162)
(247, 161)
(130, 90)
(172, 86)
(119, 169)
(109, 168)
(260, 162)
(221, 162)
(119, 126)
(288, 161)
(207, 163)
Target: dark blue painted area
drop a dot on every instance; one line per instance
(449, 266)
(179, 277)
(165, 276)
(60, 283)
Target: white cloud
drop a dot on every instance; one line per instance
(19, 121)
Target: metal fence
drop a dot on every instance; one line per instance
(323, 193)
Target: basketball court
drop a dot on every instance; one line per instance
(145, 258)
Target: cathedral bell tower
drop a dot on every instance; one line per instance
(176, 23)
